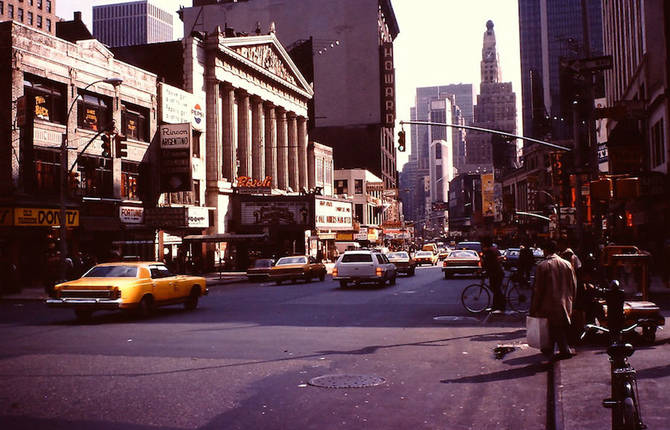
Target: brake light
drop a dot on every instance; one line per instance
(379, 271)
(444, 263)
(334, 271)
(479, 263)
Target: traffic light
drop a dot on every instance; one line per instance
(106, 146)
(401, 141)
(121, 146)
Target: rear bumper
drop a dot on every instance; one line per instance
(461, 269)
(373, 278)
(87, 303)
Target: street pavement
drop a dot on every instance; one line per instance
(244, 360)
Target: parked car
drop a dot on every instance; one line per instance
(511, 258)
(297, 267)
(139, 286)
(260, 270)
(364, 266)
(538, 254)
(403, 262)
(461, 261)
(425, 257)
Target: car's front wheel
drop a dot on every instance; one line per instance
(192, 302)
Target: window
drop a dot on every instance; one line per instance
(2, 8)
(95, 174)
(47, 171)
(49, 6)
(438, 151)
(48, 98)
(10, 10)
(134, 123)
(30, 18)
(39, 4)
(196, 143)
(358, 186)
(196, 192)
(657, 144)
(39, 21)
(48, 24)
(358, 212)
(341, 186)
(30, 2)
(93, 112)
(20, 15)
(130, 173)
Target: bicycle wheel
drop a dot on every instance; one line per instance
(518, 299)
(631, 416)
(476, 298)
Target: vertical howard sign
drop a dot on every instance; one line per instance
(388, 84)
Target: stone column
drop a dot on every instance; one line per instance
(243, 134)
(228, 125)
(303, 172)
(213, 148)
(271, 143)
(282, 149)
(293, 180)
(257, 139)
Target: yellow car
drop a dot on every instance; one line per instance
(139, 286)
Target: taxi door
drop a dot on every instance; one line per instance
(165, 284)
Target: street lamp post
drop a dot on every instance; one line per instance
(64, 171)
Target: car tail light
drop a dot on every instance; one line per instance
(479, 263)
(334, 271)
(379, 271)
(444, 263)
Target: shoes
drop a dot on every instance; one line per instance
(565, 355)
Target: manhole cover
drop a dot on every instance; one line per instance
(346, 381)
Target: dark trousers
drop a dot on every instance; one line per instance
(559, 335)
(495, 281)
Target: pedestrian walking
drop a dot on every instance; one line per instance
(491, 264)
(553, 294)
(526, 262)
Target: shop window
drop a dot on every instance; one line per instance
(93, 112)
(134, 122)
(47, 171)
(130, 173)
(186, 197)
(95, 177)
(341, 186)
(358, 184)
(48, 96)
(196, 143)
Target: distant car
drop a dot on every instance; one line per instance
(425, 257)
(461, 261)
(442, 253)
(511, 258)
(538, 254)
(364, 266)
(139, 286)
(297, 267)
(260, 270)
(403, 262)
(474, 246)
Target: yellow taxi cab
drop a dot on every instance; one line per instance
(139, 286)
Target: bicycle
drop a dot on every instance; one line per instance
(518, 291)
(477, 298)
(626, 411)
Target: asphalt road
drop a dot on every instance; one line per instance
(244, 359)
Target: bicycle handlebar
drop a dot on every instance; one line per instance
(605, 329)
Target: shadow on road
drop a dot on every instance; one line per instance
(502, 375)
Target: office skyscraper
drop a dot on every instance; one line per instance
(132, 23)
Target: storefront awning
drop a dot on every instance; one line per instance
(225, 237)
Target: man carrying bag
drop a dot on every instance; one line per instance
(553, 294)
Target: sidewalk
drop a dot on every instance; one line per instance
(213, 280)
(584, 381)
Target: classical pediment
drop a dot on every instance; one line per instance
(266, 53)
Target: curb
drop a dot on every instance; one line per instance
(559, 424)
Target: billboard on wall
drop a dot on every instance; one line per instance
(388, 84)
(488, 195)
(333, 214)
(176, 169)
(275, 213)
(179, 106)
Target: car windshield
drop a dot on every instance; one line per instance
(112, 272)
(463, 254)
(357, 258)
(475, 246)
(398, 255)
(291, 260)
(263, 263)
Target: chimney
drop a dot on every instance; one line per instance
(77, 16)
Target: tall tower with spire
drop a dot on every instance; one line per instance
(495, 109)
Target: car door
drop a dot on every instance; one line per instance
(165, 285)
(390, 267)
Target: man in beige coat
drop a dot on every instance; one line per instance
(553, 294)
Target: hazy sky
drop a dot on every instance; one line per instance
(440, 43)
